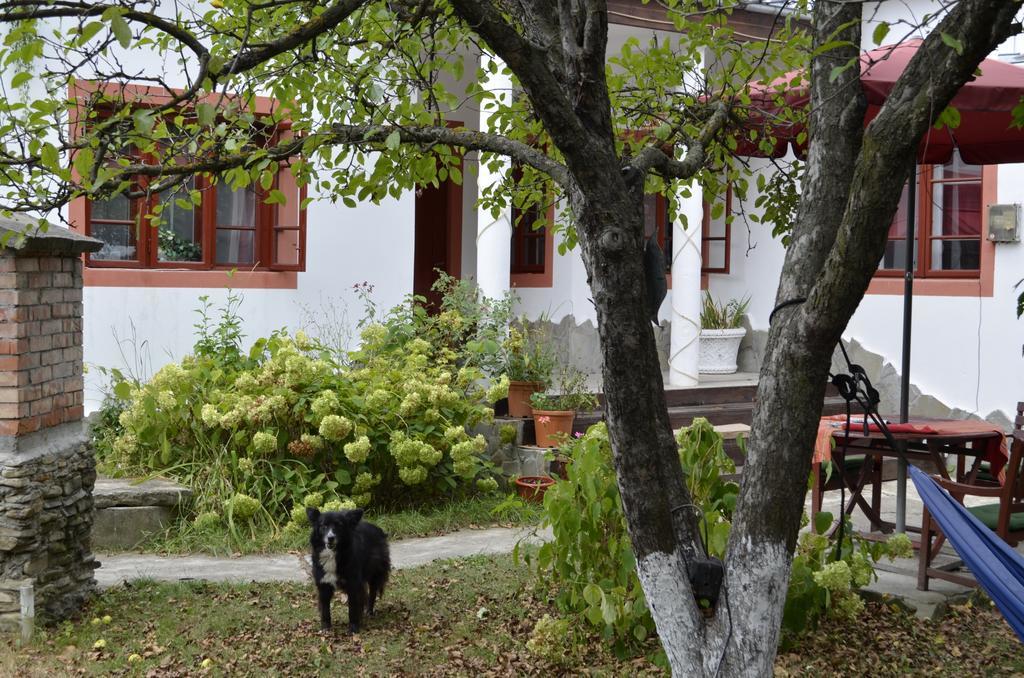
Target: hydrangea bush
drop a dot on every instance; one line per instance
(292, 423)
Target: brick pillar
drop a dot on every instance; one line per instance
(47, 470)
(40, 341)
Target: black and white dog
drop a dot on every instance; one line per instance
(348, 555)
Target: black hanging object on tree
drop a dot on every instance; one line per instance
(655, 284)
(706, 576)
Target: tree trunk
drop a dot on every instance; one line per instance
(849, 196)
(662, 527)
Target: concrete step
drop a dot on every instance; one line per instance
(111, 492)
(128, 510)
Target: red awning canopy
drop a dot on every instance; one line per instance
(985, 135)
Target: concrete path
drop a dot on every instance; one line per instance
(118, 568)
(897, 579)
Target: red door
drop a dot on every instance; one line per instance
(438, 241)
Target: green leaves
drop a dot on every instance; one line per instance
(20, 79)
(206, 114)
(123, 390)
(950, 117)
(881, 30)
(954, 43)
(119, 27)
(839, 70)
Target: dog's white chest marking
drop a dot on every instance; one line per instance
(330, 565)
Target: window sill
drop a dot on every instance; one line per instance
(936, 287)
(531, 279)
(239, 280)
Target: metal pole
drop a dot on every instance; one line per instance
(908, 306)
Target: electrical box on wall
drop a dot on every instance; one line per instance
(1004, 223)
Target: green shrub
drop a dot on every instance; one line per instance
(291, 420)
(591, 560)
(590, 557)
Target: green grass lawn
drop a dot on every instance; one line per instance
(463, 617)
(468, 617)
(439, 518)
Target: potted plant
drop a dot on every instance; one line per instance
(554, 412)
(721, 334)
(528, 364)
(532, 488)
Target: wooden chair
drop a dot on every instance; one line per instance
(861, 472)
(980, 473)
(1005, 517)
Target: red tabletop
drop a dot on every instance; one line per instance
(996, 451)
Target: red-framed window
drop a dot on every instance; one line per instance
(229, 228)
(949, 208)
(656, 223)
(716, 238)
(529, 235)
(715, 234)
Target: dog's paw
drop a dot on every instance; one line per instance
(326, 631)
(353, 630)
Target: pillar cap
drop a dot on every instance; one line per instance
(24, 235)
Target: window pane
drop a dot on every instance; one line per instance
(898, 229)
(956, 255)
(535, 249)
(179, 239)
(235, 247)
(286, 247)
(236, 208)
(650, 215)
(893, 258)
(716, 255)
(956, 209)
(117, 208)
(896, 247)
(118, 242)
(717, 228)
(956, 169)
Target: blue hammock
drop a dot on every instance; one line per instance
(997, 567)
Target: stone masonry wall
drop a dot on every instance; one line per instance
(46, 515)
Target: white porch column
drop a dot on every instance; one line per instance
(493, 236)
(685, 292)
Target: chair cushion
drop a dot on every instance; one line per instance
(989, 515)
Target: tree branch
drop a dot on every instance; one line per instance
(654, 157)
(531, 66)
(364, 135)
(328, 20)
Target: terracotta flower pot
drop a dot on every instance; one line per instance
(532, 488)
(549, 422)
(519, 393)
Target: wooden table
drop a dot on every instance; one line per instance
(965, 440)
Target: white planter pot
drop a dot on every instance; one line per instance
(718, 350)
